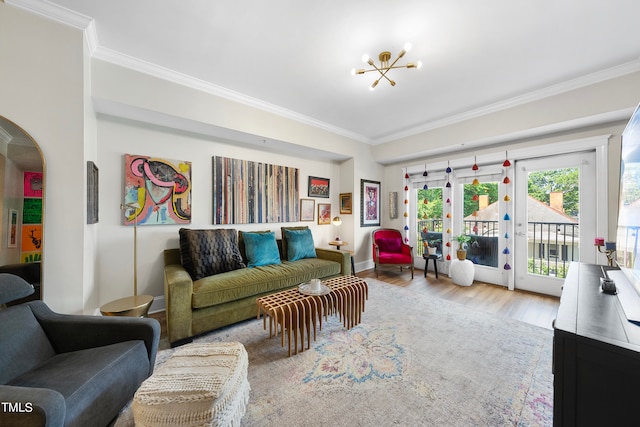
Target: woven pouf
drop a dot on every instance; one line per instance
(200, 385)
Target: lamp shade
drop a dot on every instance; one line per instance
(336, 220)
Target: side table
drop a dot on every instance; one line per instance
(435, 258)
(337, 244)
(461, 272)
(134, 306)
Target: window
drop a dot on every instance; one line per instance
(429, 212)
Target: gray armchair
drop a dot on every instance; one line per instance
(67, 370)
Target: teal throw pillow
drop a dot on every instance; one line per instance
(261, 249)
(299, 244)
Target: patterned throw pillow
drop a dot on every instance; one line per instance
(208, 252)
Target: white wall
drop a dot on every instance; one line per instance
(117, 137)
(567, 112)
(41, 91)
(47, 87)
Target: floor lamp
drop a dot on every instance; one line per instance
(134, 207)
(137, 305)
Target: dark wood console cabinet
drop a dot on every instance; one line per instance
(596, 355)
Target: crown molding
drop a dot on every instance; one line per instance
(87, 25)
(557, 89)
(53, 12)
(61, 15)
(141, 66)
(541, 131)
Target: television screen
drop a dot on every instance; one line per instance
(627, 249)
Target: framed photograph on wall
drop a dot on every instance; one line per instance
(307, 209)
(370, 203)
(346, 199)
(324, 213)
(13, 229)
(318, 187)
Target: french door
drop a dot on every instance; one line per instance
(555, 219)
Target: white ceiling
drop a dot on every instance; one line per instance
(295, 56)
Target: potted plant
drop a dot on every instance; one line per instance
(432, 246)
(462, 240)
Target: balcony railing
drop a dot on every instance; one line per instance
(551, 245)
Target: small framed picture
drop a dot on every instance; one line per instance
(370, 200)
(345, 203)
(92, 193)
(13, 228)
(307, 209)
(324, 213)
(318, 187)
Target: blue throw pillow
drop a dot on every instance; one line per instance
(299, 244)
(261, 249)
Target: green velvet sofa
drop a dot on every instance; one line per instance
(197, 305)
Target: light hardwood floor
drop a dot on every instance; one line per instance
(536, 309)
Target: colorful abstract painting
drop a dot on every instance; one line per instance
(33, 184)
(247, 192)
(157, 191)
(31, 233)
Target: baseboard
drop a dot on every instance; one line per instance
(364, 265)
(157, 305)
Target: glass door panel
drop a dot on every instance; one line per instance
(429, 219)
(553, 219)
(480, 221)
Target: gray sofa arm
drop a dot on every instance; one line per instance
(343, 257)
(74, 332)
(29, 407)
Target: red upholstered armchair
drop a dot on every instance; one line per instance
(390, 249)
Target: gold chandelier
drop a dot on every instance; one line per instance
(384, 67)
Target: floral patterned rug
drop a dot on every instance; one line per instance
(413, 360)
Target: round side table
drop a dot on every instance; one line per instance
(135, 306)
(461, 272)
(337, 244)
(435, 258)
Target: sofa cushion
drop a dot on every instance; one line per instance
(207, 252)
(95, 383)
(395, 258)
(261, 249)
(300, 244)
(238, 284)
(24, 343)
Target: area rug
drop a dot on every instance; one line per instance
(414, 360)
